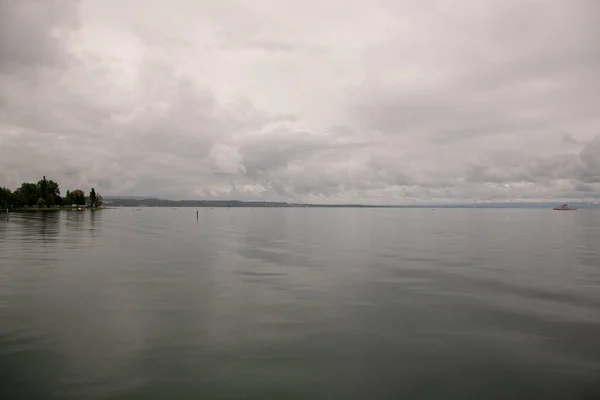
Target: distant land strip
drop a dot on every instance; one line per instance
(153, 202)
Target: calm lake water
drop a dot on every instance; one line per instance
(300, 304)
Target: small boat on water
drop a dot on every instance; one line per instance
(565, 207)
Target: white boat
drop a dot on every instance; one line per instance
(565, 207)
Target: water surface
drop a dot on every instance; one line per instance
(300, 304)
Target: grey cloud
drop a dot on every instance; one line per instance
(269, 45)
(501, 68)
(276, 148)
(32, 32)
(567, 139)
(390, 101)
(581, 170)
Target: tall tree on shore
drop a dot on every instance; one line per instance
(29, 193)
(17, 199)
(53, 193)
(43, 184)
(6, 197)
(49, 192)
(93, 198)
(46, 193)
(78, 197)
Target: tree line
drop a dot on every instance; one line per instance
(46, 194)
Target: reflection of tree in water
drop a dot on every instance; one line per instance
(75, 220)
(74, 226)
(49, 224)
(3, 228)
(94, 215)
(81, 224)
(48, 228)
(43, 225)
(95, 222)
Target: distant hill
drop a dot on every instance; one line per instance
(130, 198)
(135, 201)
(152, 202)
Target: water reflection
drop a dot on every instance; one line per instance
(299, 303)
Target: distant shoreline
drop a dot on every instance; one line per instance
(116, 203)
(152, 203)
(52, 209)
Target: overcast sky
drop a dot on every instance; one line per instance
(379, 101)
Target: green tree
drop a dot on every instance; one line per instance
(29, 193)
(49, 191)
(78, 197)
(43, 185)
(93, 198)
(17, 198)
(53, 193)
(46, 193)
(6, 197)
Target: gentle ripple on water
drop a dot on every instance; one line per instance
(300, 303)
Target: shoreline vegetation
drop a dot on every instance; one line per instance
(46, 209)
(45, 196)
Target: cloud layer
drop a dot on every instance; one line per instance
(321, 101)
